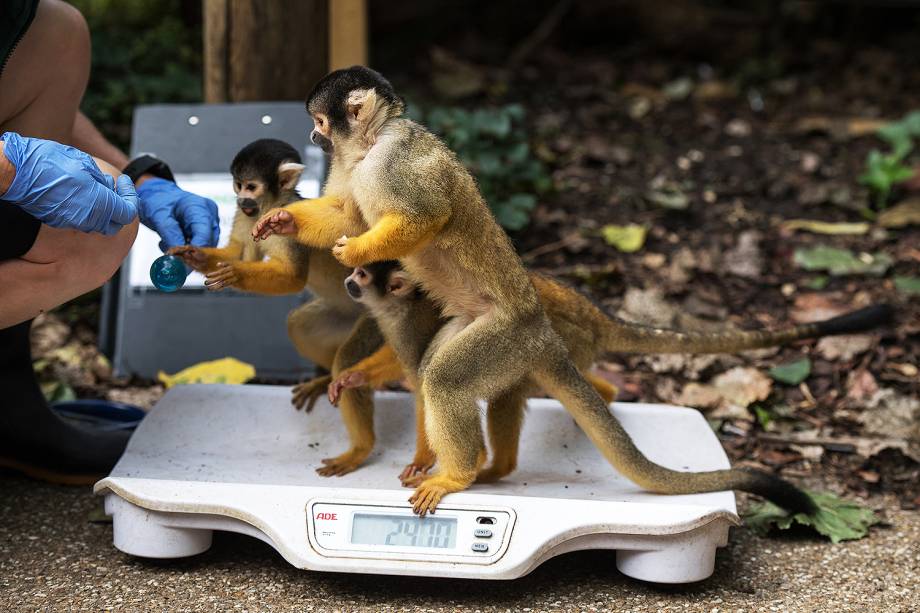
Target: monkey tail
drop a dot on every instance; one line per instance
(563, 382)
(623, 337)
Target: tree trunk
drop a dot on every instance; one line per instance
(258, 50)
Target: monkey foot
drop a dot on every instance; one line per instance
(415, 473)
(493, 474)
(430, 491)
(308, 392)
(348, 462)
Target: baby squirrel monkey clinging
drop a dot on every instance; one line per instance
(423, 208)
(409, 320)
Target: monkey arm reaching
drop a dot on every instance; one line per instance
(374, 371)
(314, 223)
(272, 276)
(206, 259)
(394, 236)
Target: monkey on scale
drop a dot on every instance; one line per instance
(409, 320)
(395, 191)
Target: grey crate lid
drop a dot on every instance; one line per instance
(205, 137)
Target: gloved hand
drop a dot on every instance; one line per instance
(179, 217)
(63, 188)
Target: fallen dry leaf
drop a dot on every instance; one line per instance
(861, 385)
(894, 416)
(813, 307)
(904, 214)
(48, 333)
(647, 306)
(729, 393)
(746, 259)
(844, 346)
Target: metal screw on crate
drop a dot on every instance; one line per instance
(168, 273)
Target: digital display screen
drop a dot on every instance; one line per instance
(403, 531)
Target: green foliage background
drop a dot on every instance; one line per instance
(144, 51)
(147, 51)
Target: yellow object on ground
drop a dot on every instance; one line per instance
(225, 370)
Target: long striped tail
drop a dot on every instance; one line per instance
(623, 337)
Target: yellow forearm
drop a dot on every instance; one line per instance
(393, 237)
(380, 368)
(320, 221)
(269, 277)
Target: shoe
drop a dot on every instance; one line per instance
(35, 441)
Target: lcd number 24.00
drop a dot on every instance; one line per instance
(396, 531)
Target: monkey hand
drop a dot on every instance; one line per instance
(346, 380)
(222, 277)
(193, 257)
(276, 221)
(305, 395)
(346, 252)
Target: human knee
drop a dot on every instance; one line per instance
(71, 29)
(93, 261)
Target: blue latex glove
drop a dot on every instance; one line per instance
(63, 188)
(179, 217)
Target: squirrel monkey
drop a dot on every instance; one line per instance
(265, 176)
(418, 204)
(409, 320)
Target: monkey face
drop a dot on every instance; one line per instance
(357, 282)
(249, 195)
(379, 281)
(322, 132)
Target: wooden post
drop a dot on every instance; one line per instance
(258, 50)
(347, 33)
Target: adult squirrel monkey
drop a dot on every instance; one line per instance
(409, 320)
(418, 204)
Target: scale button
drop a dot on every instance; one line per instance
(482, 533)
(480, 547)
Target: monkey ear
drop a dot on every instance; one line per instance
(399, 284)
(361, 105)
(289, 175)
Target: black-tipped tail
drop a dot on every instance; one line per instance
(857, 321)
(777, 491)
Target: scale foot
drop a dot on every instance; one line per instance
(140, 532)
(682, 558)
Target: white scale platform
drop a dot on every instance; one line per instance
(241, 459)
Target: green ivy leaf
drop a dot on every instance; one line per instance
(835, 518)
(58, 391)
(819, 282)
(842, 261)
(792, 373)
(764, 416)
(627, 239)
(908, 285)
(514, 213)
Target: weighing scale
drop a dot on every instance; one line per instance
(241, 459)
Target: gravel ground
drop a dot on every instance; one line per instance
(53, 559)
